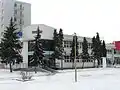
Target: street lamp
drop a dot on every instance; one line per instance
(75, 58)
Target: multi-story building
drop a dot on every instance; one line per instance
(47, 41)
(19, 11)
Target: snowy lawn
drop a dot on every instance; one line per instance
(88, 79)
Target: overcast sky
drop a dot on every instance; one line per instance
(85, 17)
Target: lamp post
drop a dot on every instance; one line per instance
(75, 58)
(113, 56)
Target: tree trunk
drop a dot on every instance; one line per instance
(35, 70)
(54, 63)
(98, 63)
(83, 64)
(61, 64)
(94, 63)
(10, 67)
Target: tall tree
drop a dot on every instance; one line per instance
(98, 49)
(93, 47)
(103, 49)
(38, 54)
(10, 46)
(61, 48)
(85, 54)
(55, 54)
(74, 45)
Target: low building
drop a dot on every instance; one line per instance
(47, 40)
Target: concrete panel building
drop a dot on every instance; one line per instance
(19, 11)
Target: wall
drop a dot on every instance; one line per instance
(8, 7)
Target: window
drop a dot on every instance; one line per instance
(80, 45)
(114, 51)
(15, 5)
(21, 6)
(64, 46)
(15, 19)
(89, 45)
(23, 22)
(2, 11)
(67, 44)
(109, 51)
(2, 26)
(20, 21)
(64, 42)
(20, 14)
(2, 4)
(2, 33)
(2, 18)
(67, 60)
(15, 11)
(67, 57)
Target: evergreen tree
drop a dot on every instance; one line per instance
(103, 49)
(93, 47)
(55, 55)
(10, 46)
(85, 54)
(72, 54)
(38, 54)
(98, 49)
(61, 48)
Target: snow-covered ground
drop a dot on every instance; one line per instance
(88, 79)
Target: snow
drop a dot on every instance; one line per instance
(88, 79)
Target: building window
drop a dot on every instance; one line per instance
(2, 18)
(80, 45)
(67, 44)
(114, 51)
(67, 60)
(23, 22)
(20, 21)
(15, 11)
(2, 11)
(89, 45)
(21, 6)
(2, 26)
(15, 5)
(2, 33)
(109, 51)
(2, 4)
(15, 19)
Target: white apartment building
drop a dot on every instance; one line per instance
(47, 36)
(19, 11)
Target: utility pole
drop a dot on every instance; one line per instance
(75, 59)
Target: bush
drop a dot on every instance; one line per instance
(25, 76)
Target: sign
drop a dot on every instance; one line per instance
(19, 34)
(117, 45)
